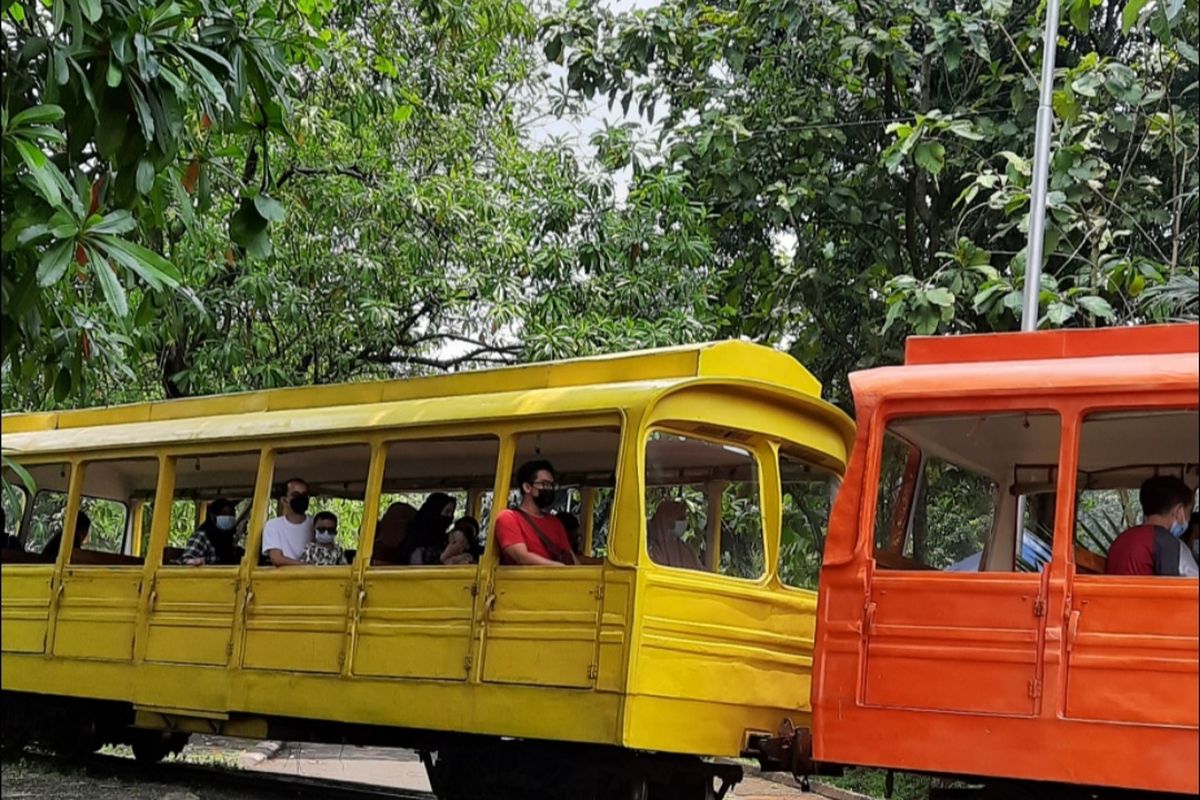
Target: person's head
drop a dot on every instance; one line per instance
(468, 527)
(325, 528)
(221, 517)
(83, 526)
(294, 494)
(393, 525)
(538, 482)
(1166, 501)
(438, 504)
(430, 525)
(670, 518)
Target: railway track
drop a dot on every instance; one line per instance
(182, 773)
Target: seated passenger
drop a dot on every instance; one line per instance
(528, 534)
(391, 533)
(323, 550)
(664, 537)
(1153, 547)
(427, 532)
(575, 535)
(286, 536)
(459, 544)
(212, 543)
(83, 525)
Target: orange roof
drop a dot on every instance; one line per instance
(1039, 345)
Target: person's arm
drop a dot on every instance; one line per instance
(278, 559)
(519, 554)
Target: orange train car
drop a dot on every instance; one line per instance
(966, 625)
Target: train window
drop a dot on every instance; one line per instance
(703, 506)
(110, 489)
(585, 461)
(336, 479)
(49, 490)
(1118, 451)
(430, 485)
(197, 532)
(949, 489)
(808, 493)
(16, 496)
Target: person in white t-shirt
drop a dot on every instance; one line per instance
(285, 537)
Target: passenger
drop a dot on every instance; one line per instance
(1191, 539)
(212, 543)
(427, 533)
(575, 535)
(1153, 547)
(323, 550)
(528, 534)
(463, 534)
(664, 537)
(391, 533)
(83, 526)
(286, 536)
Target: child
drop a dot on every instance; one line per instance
(459, 545)
(324, 550)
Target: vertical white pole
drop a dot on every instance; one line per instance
(1041, 171)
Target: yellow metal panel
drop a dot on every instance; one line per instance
(542, 627)
(615, 613)
(25, 607)
(86, 417)
(97, 612)
(191, 617)
(297, 619)
(415, 623)
(21, 423)
(243, 403)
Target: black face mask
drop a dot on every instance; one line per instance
(545, 498)
(299, 503)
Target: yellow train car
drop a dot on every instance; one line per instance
(674, 641)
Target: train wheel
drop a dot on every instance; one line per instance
(150, 747)
(15, 727)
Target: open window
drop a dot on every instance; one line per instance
(808, 495)
(703, 505)
(951, 488)
(106, 527)
(208, 487)
(1117, 452)
(36, 524)
(436, 497)
(334, 479)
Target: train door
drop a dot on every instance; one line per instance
(192, 605)
(1131, 640)
(296, 615)
(34, 505)
(957, 604)
(100, 589)
(414, 612)
(540, 623)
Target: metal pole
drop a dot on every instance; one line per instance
(1041, 171)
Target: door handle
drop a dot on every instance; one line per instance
(869, 621)
(489, 603)
(153, 599)
(1072, 629)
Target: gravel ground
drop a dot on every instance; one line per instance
(35, 779)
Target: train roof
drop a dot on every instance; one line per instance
(645, 371)
(1150, 357)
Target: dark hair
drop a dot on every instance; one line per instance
(320, 515)
(281, 489)
(469, 526)
(1161, 493)
(429, 527)
(83, 524)
(527, 472)
(222, 541)
(219, 503)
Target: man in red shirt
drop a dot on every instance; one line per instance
(528, 534)
(1152, 548)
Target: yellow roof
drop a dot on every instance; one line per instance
(647, 370)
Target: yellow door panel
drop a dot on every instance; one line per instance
(97, 612)
(415, 622)
(24, 607)
(614, 621)
(296, 619)
(541, 628)
(191, 615)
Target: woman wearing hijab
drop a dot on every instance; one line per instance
(391, 533)
(427, 535)
(212, 543)
(663, 537)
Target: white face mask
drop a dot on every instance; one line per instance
(225, 522)
(324, 537)
(679, 528)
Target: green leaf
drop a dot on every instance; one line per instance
(930, 156)
(271, 210)
(35, 115)
(940, 296)
(997, 8)
(113, 75)
(91, 9)
(114, 292)
(1058, 313)
(145, 176)
(1187, 50)
(1131, 13)
(41, 169)
(117, 222)
(152, 267)
(1097, 306)
(54, 262)
(401, 113)
(1081, 12)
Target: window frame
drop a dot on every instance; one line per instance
(778, 447)
(755, 447)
